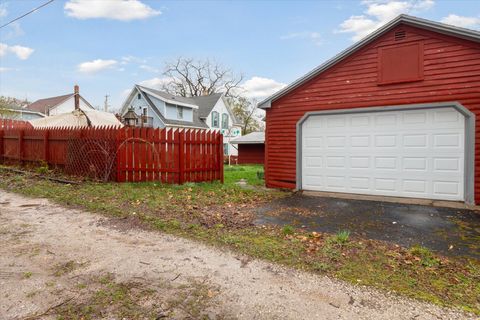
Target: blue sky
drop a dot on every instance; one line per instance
(107, 46)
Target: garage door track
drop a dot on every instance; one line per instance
(445, 230)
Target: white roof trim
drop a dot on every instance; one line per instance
(183, 104)
(409, 20)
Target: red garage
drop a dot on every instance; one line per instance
(251, 148)
(393, 115)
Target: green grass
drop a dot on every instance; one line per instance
(341, 237)
(215, 214)
(247, 172)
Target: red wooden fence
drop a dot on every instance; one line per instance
(126, 154)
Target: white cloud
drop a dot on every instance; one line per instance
(3, 49)
(3, 69)
(379, 12)
(259, 88)
(15, 31)
(132, 59)
(462, 21)
(155, 83)
(22, 53)
(96, 65)
(314, 37)
(124, 10)
(149, 68)
(3, 10)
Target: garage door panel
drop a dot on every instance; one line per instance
(414, 153)
(415, 186)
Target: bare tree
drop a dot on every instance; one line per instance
(246, 112)
(190, 78)
(7, 104)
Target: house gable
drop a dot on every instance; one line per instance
(456, 33)
(163, 108)
(138, 101)
(68, 105)
(450, 73)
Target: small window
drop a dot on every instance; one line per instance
(215, 119)
(225, 149)
(224, 121)
(145, 112)
(139, 96)
(179, 112)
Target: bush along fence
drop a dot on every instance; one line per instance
(119, 154)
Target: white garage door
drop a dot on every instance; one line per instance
(414, 153)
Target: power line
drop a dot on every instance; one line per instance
(26, 14)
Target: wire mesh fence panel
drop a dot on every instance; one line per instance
(91, 153)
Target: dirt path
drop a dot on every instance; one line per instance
(56, 261)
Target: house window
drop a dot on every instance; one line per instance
(215, 119)
(224, 121)
(139, 96)
(179, 112)
(225, 149)
(145, 115)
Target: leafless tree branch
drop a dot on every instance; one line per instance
(191, 77)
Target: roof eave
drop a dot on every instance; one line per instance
(418, 22)
(179, 103)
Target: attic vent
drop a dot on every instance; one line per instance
(400, 35)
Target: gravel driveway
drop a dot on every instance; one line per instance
(37, 237)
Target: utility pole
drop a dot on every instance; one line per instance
(106, 103)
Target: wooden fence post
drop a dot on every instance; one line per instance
(181, 158)
(118, 155)
(21, 133)
(2, 134)
(46, 146)
(220, 155)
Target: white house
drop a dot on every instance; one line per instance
(57, 105)
(159, 109)
(49, 107)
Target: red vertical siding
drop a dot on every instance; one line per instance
(451, 72)
(251, 153)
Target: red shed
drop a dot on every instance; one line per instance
(393, 115)
(251, 148)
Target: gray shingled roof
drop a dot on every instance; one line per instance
(197, 122)
(169, 96)
(251, 138)
(205, 105)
